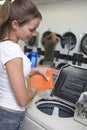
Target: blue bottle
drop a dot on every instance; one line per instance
(33, 56)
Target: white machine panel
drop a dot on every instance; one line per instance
(31, 125)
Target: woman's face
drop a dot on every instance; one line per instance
(28, 30)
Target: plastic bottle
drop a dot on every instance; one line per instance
(33, 56)
(55, 111)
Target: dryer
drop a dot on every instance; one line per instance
(55, 110)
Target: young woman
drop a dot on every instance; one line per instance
(19, 19)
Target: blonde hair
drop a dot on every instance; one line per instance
(21, 10)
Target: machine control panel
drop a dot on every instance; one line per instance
(81, 109)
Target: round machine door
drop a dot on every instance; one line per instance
(33, 41)
(68, 41)
(45, 35)
(84, 44)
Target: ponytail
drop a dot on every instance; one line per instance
(5, 12)
(4, 17)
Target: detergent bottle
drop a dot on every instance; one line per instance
(33, 56)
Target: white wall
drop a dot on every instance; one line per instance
(73, 13)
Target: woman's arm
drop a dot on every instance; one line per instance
(17, 81)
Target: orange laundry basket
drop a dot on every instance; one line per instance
(40, 82)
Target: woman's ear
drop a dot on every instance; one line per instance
(15, 24)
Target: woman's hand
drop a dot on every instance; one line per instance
(40, 70)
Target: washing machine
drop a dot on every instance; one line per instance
(56, 109)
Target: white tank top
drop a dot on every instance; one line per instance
(8, 51)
